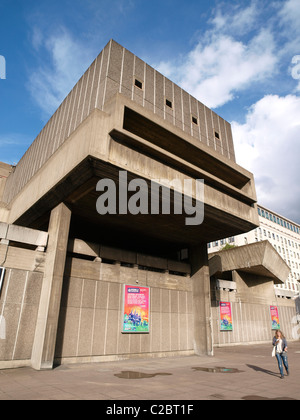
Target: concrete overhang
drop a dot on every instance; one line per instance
(131, 138)
(259, 259)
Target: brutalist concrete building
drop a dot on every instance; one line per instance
(66, 265)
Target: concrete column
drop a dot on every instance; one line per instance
(203, 341)
(46, 327)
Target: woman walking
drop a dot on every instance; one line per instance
(280, 344)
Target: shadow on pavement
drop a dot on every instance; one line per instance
(259, 369)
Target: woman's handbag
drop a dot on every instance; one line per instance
(274, 352)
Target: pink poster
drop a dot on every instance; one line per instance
(226, 316)
(274, 318)
(136, 309)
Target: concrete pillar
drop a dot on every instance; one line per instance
(203, 340)
(46, 327)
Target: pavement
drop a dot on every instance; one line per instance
(233, 373)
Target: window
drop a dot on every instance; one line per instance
(259, 212)
(195, 120)
(169, 103)
(138, 84)
(217, 135)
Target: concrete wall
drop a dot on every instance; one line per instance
(23, 257)
(90, 319)
(252, 323)
(250, 304)
(19, 303)
(5, 170)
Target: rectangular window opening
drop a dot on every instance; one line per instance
(138, 84)
(169, 103)
(195, 120)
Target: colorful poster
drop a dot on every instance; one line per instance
(274, 318)
(136, 309)
(226, 316)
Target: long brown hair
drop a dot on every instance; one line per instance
(279, 332)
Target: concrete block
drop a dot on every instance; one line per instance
(77, 246)
(225, 284)
(27, 236)
(3, 230)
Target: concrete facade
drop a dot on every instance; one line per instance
(5, 171)
(22, 254)
(124, 116)
(245, 277)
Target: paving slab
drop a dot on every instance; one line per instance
(234, 373)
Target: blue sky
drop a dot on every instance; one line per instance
(241, 58)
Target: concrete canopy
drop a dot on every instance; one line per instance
(106, 125)
(260, 259)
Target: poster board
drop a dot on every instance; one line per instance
(274, 318)
(136, 309)
(225, 316)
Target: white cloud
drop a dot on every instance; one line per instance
(215, 72)
(290, 15)
(66, 58)
(236, 19)
(268, 145)
(221, 64)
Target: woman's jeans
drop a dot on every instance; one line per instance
(282, 360)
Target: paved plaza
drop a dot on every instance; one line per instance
(233, 373)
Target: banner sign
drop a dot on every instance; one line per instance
(226, 316)
(274, 318)
(136, 309)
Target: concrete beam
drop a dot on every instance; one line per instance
(23, 235)
(203, 344)
(259, 258)
(46, 328)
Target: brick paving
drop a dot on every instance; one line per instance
(250, 374)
